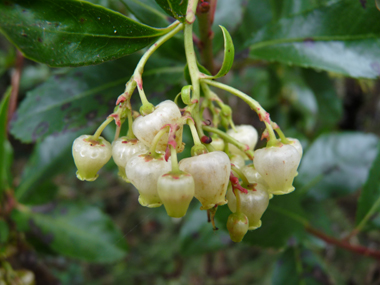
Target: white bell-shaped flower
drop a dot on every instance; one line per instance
(146, 127)
(211, 173)
(90, 156)
(278, 166)
(143, 171)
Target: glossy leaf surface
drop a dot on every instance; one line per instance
(75, 230)
(174, 8)
(336, 164)
(83, 96)
(147, 12)
(332, 37)
(72, 33)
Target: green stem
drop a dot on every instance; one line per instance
(282, 136)
(229, 139)
(238, 201)
(130, 134)
(117, 133)
(156, 139)
(101, 128)
(263, 115)
(143, 60)
(173, 152)
(194, 133)
(194, 75)
(241, 175)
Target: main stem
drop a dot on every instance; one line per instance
(194, 75)
(206, 35)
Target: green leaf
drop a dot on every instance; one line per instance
(72, 33)
(256, 14)
(5, 147)
(331, 38)
(330, 106)
(197, 236)
(280, 222)
(84, 96)
(229, 55)
(302, 97)
(369, 201)
(147, 12)
(298, 265)
(75, 230)
(48, 159)
(336, 164)
(174, 8)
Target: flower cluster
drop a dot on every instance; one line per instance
(224, 167)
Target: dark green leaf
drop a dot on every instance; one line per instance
(279, 222)
(75, 230)
(369, 201)
(229, 55)
(336, 164)
(174, 8)
(5, 147)
(298, 265)
(256, 14)
(293, 7)
(197, 236)
(331, 38)
(147, 12)
(84, 96)
(72, 33)
(330, 108)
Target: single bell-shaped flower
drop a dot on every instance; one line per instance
(90, 156)
(278, 167)
(144, 170)
(176, 190)
(211, 172)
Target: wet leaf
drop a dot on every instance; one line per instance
(147, 12)
(72, 33)
(84, 96)
(74, 230)
(330, 37)
(174, 8)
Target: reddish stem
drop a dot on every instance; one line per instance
(206, 18)
(15, 81)
(344, 244)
